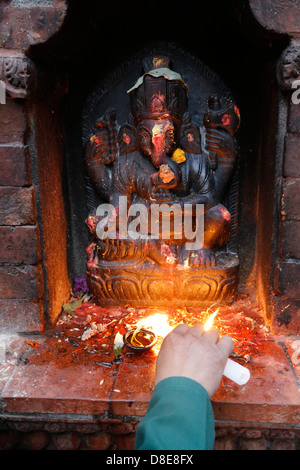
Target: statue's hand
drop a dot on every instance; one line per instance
(97, 150)
(204, 258)
(221, 142)
(161, 195)
(102, 146)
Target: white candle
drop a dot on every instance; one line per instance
(237, 373)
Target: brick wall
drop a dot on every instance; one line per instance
(21, 279)
(23, 262)
(120, 435)
(287, 280)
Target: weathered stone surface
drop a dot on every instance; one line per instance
(96, 441)
(286, 316)
(290, 200)
(290, 240)
(35, 440)
(21, 316)
(288, 68)
(17, 206)
(252, 444)
(294, 118)
(8, 439)
(67, 441)
(21, 27)
(291, 167)
(19, 245)
(21, 282)
(14, 164)
(280, 16)
(12, 122)
(17, 72)
(288, 275)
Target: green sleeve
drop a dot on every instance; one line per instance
(179, 417)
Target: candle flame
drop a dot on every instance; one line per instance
(209, 322)
(158, 322)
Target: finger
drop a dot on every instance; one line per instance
(181, 329)
(212, 147)
(213, 132)
(212, 335)
(197, 330)
(103, 146)
(226, 345)
(211, 138)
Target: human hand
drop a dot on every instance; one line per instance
(190, 352)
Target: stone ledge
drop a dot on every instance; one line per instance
(58, 380)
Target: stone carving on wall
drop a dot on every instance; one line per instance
(162, 156)
(289, 66)
(18, 75)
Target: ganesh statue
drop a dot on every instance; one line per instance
(162, 230)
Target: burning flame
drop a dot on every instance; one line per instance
(158, 323)
(209, 322)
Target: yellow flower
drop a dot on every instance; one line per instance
(178, 156)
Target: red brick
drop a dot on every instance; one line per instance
(17, 206)
(119, 428)
(36, 440)
(288, 279)
(67, 441)
(21, 316)
(290, 240)
(291, 167)
(14, 163)
(97, 441)
(8, 439)
(224, 443)
(125, 442)
(12, 122)
(19, 245)
(21, 282)
(280, 444)
(290, 200)
(252, 444)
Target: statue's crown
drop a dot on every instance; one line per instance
(160, 92)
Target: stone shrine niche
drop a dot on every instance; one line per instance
(162, 131)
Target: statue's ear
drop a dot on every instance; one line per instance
(190, 138)
(127, 139)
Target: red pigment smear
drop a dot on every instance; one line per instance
(226, 120)
(237, 111)
(226, 215)
(126, 138)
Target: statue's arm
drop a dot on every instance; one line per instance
(222, 150)
(100, 152)
(198, 184)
